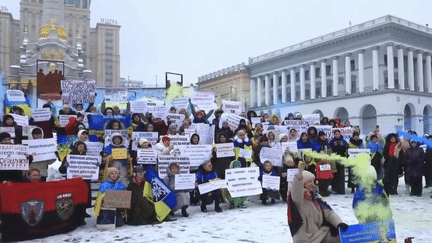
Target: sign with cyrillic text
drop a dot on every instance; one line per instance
(165, 160)
(43, 114)
(147, 156)
(243, 181)
(232, 107)
(86, 167)
(13, 157)
(271, 182)
(42, 149)
(224, 150)
(184, 181)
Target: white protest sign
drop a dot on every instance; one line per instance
(152, 138)
(78, 91)
(86, 167)
(43, 114)
(13, 157)
(353, 153)
(196, 153)
(138, 106)
(232, 107)
(184, 181)
(346, 132)
(232, 119)
(204, 100)
(124, 133)
(255, 120)
(272, 154)
(291, 123)
(312, 119)
(245, 153)
(147, 156)
(15, 95)
(157, 111)
(271, 182)
(292, 146)
(64, 119)
(326, 129)
(188, 132)
(42, 149)
(211, 186)
(20, 120)
(224, 150)
(165, 160)
(179, 139)
(243, 181)
(205, 131)
(94, 148)
(116, 95)
(10, 130)
(291, 173)
(176, 119)
(180, 103)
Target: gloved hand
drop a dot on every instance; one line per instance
(343, 227)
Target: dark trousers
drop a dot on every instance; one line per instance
(207, 199)
(416, 185)
(391, 179)
(428, 173)
(323, 187)
(338, 182)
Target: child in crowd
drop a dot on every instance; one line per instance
(123, 165)
(267, 169)
(181, 195)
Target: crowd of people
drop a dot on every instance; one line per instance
(391, 156)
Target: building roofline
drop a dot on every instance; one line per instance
(223, 72)
(340, 33)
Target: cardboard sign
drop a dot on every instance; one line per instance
(42, 149)
(204, 100)
(43, 114)
(119, 153)
(245, 153)
(272, 154)
(224, 150)
(184, 181)
(165, 160)
(353, 153)
(232, 107)
(291, 173)
(20, 120)
(64, 119)
(369, 232)
(243, 181)
(10, 130)
(15, 95)
(13, 157)
(271, 182)
(292, 146)
(152, 138)
(197, 154)
(147, 156)
(94, 148)
(78, 91)
(176, 119)
(116, 95)
(211, 186)
(138, 107)
(117, 199)
(86, 167)
(205, 131)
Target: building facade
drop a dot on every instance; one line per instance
(374, 73)
(231, 83)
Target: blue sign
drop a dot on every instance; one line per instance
(376, 232)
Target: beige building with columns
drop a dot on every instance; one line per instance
(374, 73)
(230, 83)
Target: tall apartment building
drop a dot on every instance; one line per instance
(9, 42)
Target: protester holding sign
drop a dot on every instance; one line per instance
(137, 124)
(12, 175)
(242, 142)
(164, 147)
(47, 125)
(339, 146)
(182, 196)
(267, 169)
(199, 116)
(9, 121)
(220, 164)
(205, 174)
(124, 165)
(42, 165)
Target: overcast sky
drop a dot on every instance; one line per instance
(198, 37)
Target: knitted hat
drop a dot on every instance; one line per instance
(143, 140)
(164, 139)
(307, 176)
(282, 135)
(111, 170)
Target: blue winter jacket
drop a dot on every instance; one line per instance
(111, 185)
(203, 176)
(374, 147)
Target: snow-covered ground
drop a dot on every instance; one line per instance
(256, 223)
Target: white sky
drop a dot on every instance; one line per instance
(198, 37)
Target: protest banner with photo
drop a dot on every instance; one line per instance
(15, 95)
(369, 232)
(116, 95)
(64, 119)
(13, 157)
(353, 153)
(117, 199)
(196, 153)
(232, 107)
(42, 149)
(124, 133)
(78, 91)
(43, 114)
(211, 186)
(138, 107)
(204, 100)
(178, 139)
(10, 130)
(84, 166)
(152, 138)
(176, 119)
(184, 181)
(312, 119)
(205, 131)
(245, 153)
(272, 154)
(147, 156)
(165, 160)
(224, 150)
(20, 120)
(243, 181)
(232, 119)
(94, 148)
(119, 153)
(271, 182)
(291, 173)
(180, 103)
(292, 146)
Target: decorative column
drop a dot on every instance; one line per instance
(302, 83)
(335, 76)
(252, 92)
(312, 80)
(348, 74)
(361, 71)
(259, 92)
(401, 68)
(284, 83)
(292, 77)
(323, 79)
(275, 88)
(420, 81)
(375, 68)
(390, 67)
(411, 70)
(428, 73)
(267, 89)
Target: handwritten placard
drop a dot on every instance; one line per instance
(119, 153)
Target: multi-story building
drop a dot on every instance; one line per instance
(9, 41)
(374, 73)
(231, 83)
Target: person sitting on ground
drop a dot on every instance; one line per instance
(206, 174)
(267, 169)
